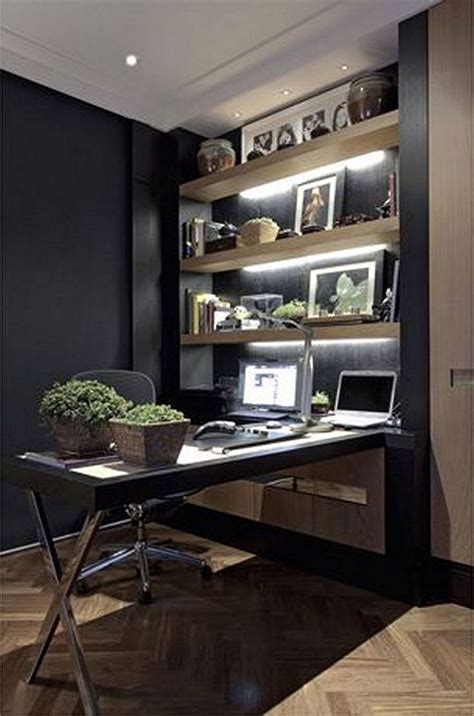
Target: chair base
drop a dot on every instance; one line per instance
(142, 551)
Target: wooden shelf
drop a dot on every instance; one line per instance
(346, 237)
(332, 333)
(371, 135)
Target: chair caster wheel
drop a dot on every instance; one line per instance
(206, 571)
(81, 588)
(144, 596)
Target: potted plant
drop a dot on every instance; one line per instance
(150, 434)
(294, 310)
(78, 414)
(320, 403)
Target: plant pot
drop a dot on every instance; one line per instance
(319, 410)
(152, 444)
(75, 437)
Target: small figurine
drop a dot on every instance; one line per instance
(383, 310)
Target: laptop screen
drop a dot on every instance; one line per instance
(365, 392)
(269, 385)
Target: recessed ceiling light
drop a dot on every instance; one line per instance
(131, 60)
(286, 92)
(237, 115)
(344, 67)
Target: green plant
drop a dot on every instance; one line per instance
(149, 413)
(294, 310)
(87, 401)
(320, 398)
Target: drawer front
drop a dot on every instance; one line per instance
(346, 497)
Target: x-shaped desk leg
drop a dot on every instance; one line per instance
(60, 607)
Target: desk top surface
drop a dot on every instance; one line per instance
(120, 484)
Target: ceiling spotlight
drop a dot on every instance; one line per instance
(344, 67)
(286, 92)
(237, 115)
(131, 60)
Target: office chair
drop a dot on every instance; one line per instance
(138, 388)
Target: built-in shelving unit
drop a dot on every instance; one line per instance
(371, 135)
(347, 237)
(322, 333)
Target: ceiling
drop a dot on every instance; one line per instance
(200, 61)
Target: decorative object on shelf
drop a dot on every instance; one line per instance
(341, 290)
(228, 230)
(233, 322)
(150, 434)
(320, 403)
(294, 310)
(395, 307)
(319, 202)
(300, 123)
(389, 206)
(369, 95)
(383, 310)
(258, 231)
(286, 234)
(215, 155)
(351, 219)
(286, 136)
(312, 228)
(264, 303)
(223, 243)
(78, 412)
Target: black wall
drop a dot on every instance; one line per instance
(66, 262)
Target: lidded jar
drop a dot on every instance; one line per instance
(370, 94)
(215, 155)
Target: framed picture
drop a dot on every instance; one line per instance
(342, 290)
(302, 122)
(320, 201)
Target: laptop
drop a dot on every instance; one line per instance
(268, 390)
(364, 399)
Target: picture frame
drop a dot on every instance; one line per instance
(347, 289)
(322, 114)
(320, 201)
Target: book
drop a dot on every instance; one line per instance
(54, 459)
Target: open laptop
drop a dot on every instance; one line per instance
(268, 390)
(364, 399)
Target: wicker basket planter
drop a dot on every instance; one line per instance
(255, 232)
(151, 444)
(76, 437)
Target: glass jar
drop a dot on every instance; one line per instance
(370, 95)
(215, 155)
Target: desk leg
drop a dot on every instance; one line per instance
(60, 607)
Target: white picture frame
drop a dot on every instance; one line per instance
(328, 108)
(325, 284)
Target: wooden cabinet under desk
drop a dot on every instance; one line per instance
(341, 499)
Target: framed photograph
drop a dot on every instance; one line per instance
(302, 122)
(342, 290)
(320, 201)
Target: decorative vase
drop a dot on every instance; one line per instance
(152, 444)
(75, 437)
(370, 95)
(215, 155)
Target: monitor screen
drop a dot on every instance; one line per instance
(365, 392)
(269, 384)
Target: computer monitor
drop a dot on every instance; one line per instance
(370, 392)
(270, 384)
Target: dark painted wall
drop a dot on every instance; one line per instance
(66, 262)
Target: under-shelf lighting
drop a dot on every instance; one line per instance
(364, 161)
(323, 342)
(302, 260)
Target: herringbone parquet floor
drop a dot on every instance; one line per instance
(259, 638)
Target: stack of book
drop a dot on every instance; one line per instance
(203, 311)
(198, 237)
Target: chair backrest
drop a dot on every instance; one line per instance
(134, 386)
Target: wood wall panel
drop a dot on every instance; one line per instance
(451, 298)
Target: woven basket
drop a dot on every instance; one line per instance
(153, 444)
(75, 437)
(262, 233)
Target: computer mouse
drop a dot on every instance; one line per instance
(273, 424)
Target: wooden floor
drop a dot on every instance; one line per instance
(259, 638)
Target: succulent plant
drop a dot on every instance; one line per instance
(294, 310)
(87, 401)
(320, 398)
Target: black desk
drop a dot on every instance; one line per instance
(98, 495)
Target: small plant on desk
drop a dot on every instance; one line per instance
(78, 412)
(320, 403)
(150, 434)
